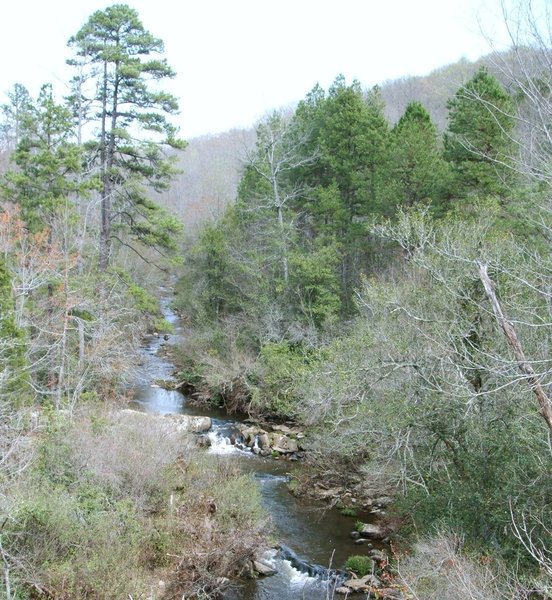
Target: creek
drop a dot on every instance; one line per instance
(312, 538)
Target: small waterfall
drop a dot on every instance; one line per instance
(296, 577)
(312, 571)
(224, 439)
(220, 443)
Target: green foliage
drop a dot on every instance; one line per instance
(53, 522)
(238, 500)
(419, 171)
(114, 50)
(479, 142)
(314, 284)
(279, 368)
(428, 368)
(348, 177)
(93, 517)
(49, 163)
(359, 564)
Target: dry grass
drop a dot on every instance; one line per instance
(439, 570)
(111, 507)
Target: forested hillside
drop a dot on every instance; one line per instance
(211, 166)
(385, 284)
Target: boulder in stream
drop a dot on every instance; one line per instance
(173, 423)
(344, 591)
(362, 584)
(284, 444)
(263, 569)
(264, 441)
(370, 530)
(189, 423)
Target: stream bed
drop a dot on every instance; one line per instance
(312, 537)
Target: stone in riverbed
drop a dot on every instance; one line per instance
(188, 423)
(263, 441)
(369, 530)
(284, 445)
(249, 434)
(363, 584)
(263, 569)
(378, 555)
(173, 423)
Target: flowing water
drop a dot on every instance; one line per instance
(314, 542)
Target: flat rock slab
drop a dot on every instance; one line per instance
(369, 530)
(363, 584)
(263, 569)
(173, 423)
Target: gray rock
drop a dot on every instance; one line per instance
(362, 584)
(173, 423)
(203, 441)
(371, 530)
(264, 441)
(357, 585)
(263, 569)
(284, 445)
(200, 424)
(378, 555)
(283, 429)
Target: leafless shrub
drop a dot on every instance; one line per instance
(135, 455)
(439, 570)
(119, 500)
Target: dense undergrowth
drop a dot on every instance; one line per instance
(146, 516)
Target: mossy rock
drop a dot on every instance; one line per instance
(360, 564)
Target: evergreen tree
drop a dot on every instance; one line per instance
(479, 141)
(354, 147)
(117, 49)
(14, 113)
(48, 163)
(418, 169)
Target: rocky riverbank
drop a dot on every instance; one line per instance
(278, 441)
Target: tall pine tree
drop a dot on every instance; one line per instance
(124, 70)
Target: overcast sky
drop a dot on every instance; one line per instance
(237, 59)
